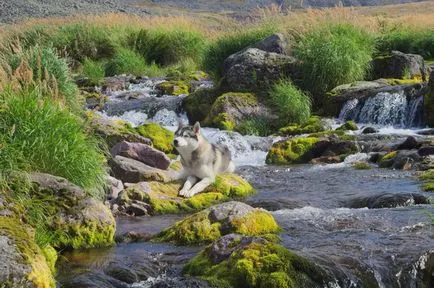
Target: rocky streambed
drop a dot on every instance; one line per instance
(339, 225)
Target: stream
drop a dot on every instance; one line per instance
(361, 225)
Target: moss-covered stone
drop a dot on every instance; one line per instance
(258, 264)
(173, 87)
(231, 109)
(361, 166)
(30, 268)
(313, 125)
(161, 138)
(210, 224)
(428, 178)
(394, 81)
(197, 105)
(388, 159)
(163, 198)
(291, 151)
(349, 125)
(334, 133)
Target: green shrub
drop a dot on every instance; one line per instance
(46, 69)
(166, 47)
(81, 41)
(290, 103)
(407, 41)
(229, 44)
(39, 135)
(126, 62)
(94, 71)
(333, 55)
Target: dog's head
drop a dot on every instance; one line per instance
(187, 138)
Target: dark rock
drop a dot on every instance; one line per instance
(326, 160)
(426, 164)
(369, 130)
(426, 151)
(409, 144)
(132, 171)
(332, 147)
(399, 65)
(121, 272)
(389, 200)
(133, 237)
(137, 210)
(275, 43)
(276, 204)
(142, 153)
(254, 70)
(375, 157)
(116, 83)
(92, 280)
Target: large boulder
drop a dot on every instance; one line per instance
(22, 262)
(163, 198)
(231, 109)
(242, 261)
(198, 104)
(132, 171)
(306, 149)
(275, 43)
(142, 153)
(114, 132)
(429, 102)
(210, 224)
(399, 65)
(79, 220)
(256, 70)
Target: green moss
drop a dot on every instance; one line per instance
(174, 87)
(429, 186)
(24, 239)
(198, 105)
(393, 81)
(257, 265)
(198, 228)
(50, 255)
(313, 125)
(161, 137)
(387, 160)
(361, 166)
(349, 125)
(163, 197)
(291, 151)
(428, 176)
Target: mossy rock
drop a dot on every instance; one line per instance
(361, 166)
(163, 197)
(216, 221)
(161, 138)
(114, 131)
(388, 159)
(254, 262)
(394, 81)
(231, 109)
(334, 133)
(198, 105)
(291, 151)
(25, 263)
(313, 125)
(349, 125)
(173, 87)
(428, 178)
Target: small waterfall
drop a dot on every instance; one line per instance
(385, 108)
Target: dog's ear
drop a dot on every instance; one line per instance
(196, 128)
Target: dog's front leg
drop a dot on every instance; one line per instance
(191, 180)
(199, 187)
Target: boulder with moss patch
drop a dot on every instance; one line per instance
(240, 261)
(161, 138)
(230, 109)
(216, 221)
(349, 125)
(114, 132)
(305, 149)
(79, 220)
(22, 262)
(162, 198)
(173, 88)
(399, 65)
(197, 105)
(313, 125)
(428, 180)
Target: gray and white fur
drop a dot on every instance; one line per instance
(201, 160)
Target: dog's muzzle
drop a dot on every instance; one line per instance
(179, 142)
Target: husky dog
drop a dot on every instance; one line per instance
(201, 160)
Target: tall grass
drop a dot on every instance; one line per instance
(126, 61)
(94, 71)
(39, 135)
(169, 46)
(290, 103)
(229, 44)
(40, 66)
(333, 55)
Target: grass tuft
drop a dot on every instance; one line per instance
(126, 62)
(94, 71)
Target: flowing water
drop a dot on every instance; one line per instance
(323, 210)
